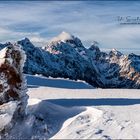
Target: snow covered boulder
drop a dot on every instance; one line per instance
(13, 97)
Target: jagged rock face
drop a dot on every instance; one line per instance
(13, 97)
(118, 70)
(95, 52)
(130, 70)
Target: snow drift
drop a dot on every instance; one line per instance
(82, 113)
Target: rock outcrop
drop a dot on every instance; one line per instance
(13, 97)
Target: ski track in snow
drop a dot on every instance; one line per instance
(60, 112)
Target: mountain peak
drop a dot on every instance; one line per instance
(66, 39)
(115, 52)
(24, 42)
(94, 47)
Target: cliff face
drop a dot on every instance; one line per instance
(13, 97)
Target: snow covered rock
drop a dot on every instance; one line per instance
(7, 111)
(13, 97)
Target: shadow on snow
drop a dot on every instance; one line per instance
(95, 102)
(34, 82)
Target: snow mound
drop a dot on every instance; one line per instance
(78, 126)
(43, 120)
(47, 120)
(7, 111)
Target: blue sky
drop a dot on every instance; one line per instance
(89, 20)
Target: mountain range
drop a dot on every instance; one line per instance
(65, 56)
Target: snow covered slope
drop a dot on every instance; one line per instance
(83, 113)
(62, 112)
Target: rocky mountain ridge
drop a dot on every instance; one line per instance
(65, 56)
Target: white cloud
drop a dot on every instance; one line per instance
(86, 19)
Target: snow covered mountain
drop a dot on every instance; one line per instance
(60, 58)
(118, 70)
(65, 56)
